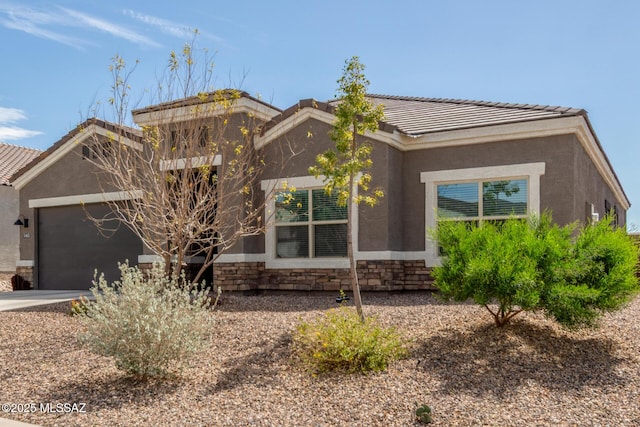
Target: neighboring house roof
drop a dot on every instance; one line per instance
(12, 158)
(418, 116)
(66, 144)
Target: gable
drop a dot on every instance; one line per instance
(75, 138)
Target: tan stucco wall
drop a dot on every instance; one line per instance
(9, 242)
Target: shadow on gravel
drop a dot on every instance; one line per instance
(113, 393)
(258, 368)
(488, 360)
(293, 301)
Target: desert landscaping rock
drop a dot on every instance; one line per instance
(531, 372)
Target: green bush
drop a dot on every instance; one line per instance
(340, 341)
(523, 265)
(150, 324)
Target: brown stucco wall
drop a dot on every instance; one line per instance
(397, 223)
(562, 188)
(380, 227)
(70, 175)
(590, 188)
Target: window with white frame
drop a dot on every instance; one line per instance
(481, 200)
(492, 193)
(309, 224)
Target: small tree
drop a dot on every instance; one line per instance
(346, 165)
(526, 265)
(191, 171)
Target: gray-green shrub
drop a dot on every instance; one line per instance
(151, 324)
(339, 340)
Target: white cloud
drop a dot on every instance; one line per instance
(175, 29)
(12, 133)
(168, 27)
(56, 23)
(8, 116)
(11, 115)
(32, 22)
(111, 28)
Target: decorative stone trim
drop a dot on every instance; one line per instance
(373, 275)
(26, 272)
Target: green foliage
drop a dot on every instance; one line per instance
(529, 265)
(599, 277)
(347, 163)
(423, 413)
(150, 324)
(355, 115)
(79, 306)
(340, 341)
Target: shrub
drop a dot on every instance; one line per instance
(524, 265)
(423, 414)
(150, 324)
(600, 277)
(340, 341)
(79, 306)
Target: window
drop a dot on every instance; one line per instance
(479, 194)
(483, 200)
(310, 224)
(189, 137)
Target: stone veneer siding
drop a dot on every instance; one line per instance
(378, 275)
(26, 273)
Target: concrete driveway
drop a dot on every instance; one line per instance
(22, 299)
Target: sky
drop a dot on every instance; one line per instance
(55, 57)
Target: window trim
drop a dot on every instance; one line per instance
(310, 223)
(271, 187)
(481, 216)
(531, 171)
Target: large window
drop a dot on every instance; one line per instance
(483, 200)
(310, 224)
(479, 194)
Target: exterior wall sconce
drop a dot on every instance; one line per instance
(22, 221)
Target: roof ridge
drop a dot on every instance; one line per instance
(200, 98)
(509, 105)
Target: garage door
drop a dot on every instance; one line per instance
(70, 247)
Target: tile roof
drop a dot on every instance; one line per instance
(417, 116)
(13, 158)
(199, 99)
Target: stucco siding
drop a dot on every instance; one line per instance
(555, 187)
(9, 233)
(379, 227)
(589, 188)
(70, 175)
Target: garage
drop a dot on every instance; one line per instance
(70, 246)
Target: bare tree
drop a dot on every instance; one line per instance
(190, 172)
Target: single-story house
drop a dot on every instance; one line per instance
(12, 159)
(433, 158)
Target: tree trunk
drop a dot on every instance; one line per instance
(353, 271)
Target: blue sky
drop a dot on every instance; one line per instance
(573, 53)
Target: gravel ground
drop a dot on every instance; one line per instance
(469, 372)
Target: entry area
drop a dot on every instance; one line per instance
(70, 246)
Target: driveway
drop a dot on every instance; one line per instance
(22, 299)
